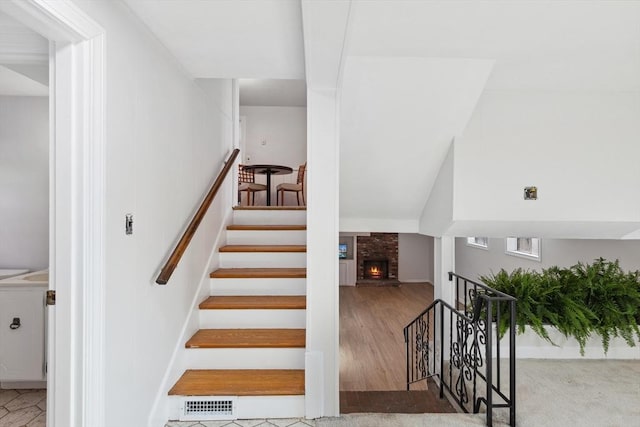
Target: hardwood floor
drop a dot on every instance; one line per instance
(372, 348)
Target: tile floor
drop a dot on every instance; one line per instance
(23, 408)
(282, 422)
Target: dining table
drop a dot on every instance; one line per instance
(269, 170)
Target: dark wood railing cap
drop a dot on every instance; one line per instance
(181, 247)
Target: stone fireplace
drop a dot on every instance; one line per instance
(377, 257)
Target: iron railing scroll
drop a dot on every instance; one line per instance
(460, 348)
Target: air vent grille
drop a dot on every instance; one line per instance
(208, 408)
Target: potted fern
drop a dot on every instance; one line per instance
(579, 301)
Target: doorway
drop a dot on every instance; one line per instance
(75, 329)
(24, 210)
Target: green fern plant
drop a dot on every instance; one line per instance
(580, 300)
(614, 298)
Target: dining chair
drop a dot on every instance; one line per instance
(298, 187)
(247, 182)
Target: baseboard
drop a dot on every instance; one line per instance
(160, 410)
(19, 385)
(416, 281)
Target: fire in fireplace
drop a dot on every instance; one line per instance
(376, 269)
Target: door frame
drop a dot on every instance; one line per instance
(76, 324)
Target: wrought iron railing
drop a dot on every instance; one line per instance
(459, 347)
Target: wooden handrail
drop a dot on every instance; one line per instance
(181, 247)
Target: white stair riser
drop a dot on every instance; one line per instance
(270, 407)
(247, 319)
(230, 287)
(266, 237)
(253, 407)
(263, 259)
(269, 217)
(245, 358)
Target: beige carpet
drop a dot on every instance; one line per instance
(550, 393)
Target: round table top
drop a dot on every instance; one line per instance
(269, 169)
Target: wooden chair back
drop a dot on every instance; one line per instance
(246, 175)
(301, 171)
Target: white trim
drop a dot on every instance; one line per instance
(367, 225)
(94, 226)
(76, 323)
(58, 20)
(238, 135)
(425, 280)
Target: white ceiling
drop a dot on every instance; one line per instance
(258, 39)
(404, 92)
(273, 93)
(398, 117)
(16, 84)
(24, 57)
(548, 45)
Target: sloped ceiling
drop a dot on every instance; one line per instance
(260, 39)
(415, 70)
(398, 116)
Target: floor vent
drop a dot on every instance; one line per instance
(208, 408)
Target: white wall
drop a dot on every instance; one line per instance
(579, 148)
(472, 262)
(284, 129)
(165, 143)
(437, 214)
(24, 182)
(415, 258)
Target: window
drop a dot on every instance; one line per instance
(479, 242)
(527, 247)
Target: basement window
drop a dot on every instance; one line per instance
(478, 242)
(526, 247)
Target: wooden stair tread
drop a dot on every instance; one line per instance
(242, 227)
(270, 208)
(255, 302)
(259, 273)
(240, 382)
(247, 338)
(263, 248)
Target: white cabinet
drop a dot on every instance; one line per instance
(343, 269)
(22, 334)
(346, 272)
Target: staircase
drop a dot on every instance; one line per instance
(247, 359)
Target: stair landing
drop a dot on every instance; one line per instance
(394, 402)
